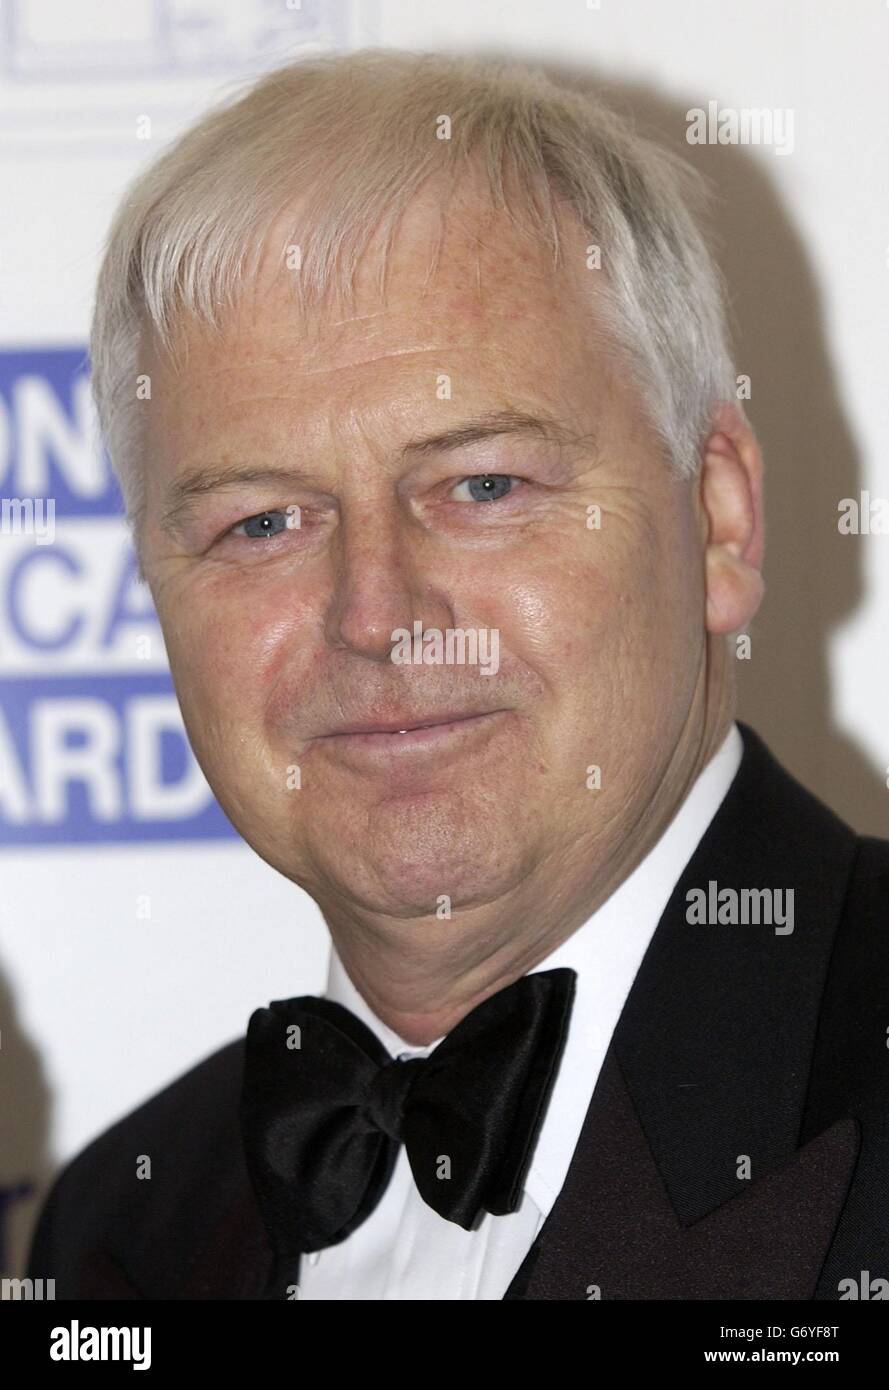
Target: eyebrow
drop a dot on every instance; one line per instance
(185, 490)
(488, 426)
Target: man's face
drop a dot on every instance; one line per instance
(581, 552)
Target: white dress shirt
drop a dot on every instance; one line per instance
(404, 1249)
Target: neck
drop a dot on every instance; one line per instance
(420, 976)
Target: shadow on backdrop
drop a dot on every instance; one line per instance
(25, 1163)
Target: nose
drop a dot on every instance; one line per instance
(379, 582)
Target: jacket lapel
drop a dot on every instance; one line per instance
(614, 1233)
(688, 1176)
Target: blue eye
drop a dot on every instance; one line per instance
(264, 524)
(486, 487)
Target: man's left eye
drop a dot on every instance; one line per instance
(264, 524)
(485, 487)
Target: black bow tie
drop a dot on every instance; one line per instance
(324, 1109)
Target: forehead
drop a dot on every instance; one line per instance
(491, 296)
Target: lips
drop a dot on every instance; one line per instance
(406, 748)
(407, 723)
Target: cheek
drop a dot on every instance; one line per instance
(561, 603)
(227, 642)
(605, 621)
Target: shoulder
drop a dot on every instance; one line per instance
(862, 948)
(861, 953)
(773, 827)
(141, 1193)
(851, 1062)
(193, 1113)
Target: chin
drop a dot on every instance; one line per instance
(413, 881)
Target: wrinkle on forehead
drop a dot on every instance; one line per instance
(237, 356)
(265, 345)
(488, 268)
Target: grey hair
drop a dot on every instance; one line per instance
(352, 136)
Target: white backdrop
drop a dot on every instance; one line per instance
(136, 932)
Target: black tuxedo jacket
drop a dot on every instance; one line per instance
(736, 1145)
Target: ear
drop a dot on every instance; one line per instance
(731, 509)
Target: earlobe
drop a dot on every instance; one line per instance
(734, 593)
